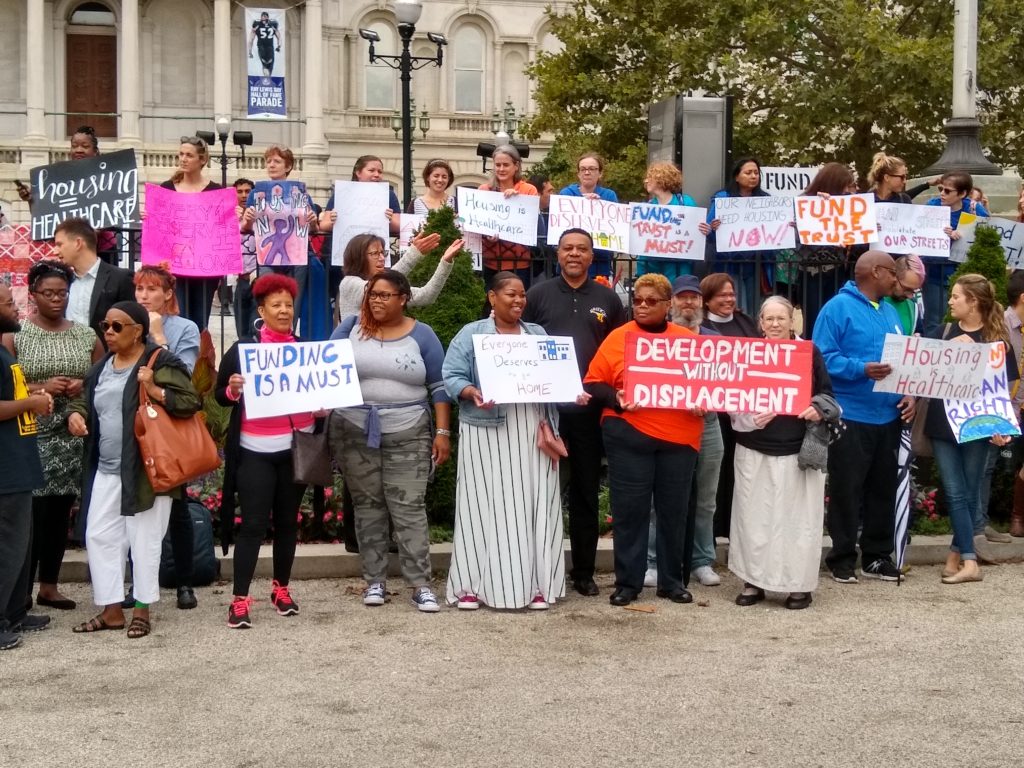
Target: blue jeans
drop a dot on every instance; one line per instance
(962, 469)
(709, 462)
(985, 492)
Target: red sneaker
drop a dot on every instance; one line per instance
(238, 613)
(282, 600)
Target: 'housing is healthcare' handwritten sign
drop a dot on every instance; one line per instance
(103, 190)
(718, 373)
(754, 224)
(527, 369)
(837, 220)
(361, 207)
(298, 377)
(666, 231)
(607, 222)
(196, 233)
(513, 219)
(992, 412)
(932, 367)
(913, 229)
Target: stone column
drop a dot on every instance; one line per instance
(129, 66)
(221, 59)
(313, 74)
(35, 71)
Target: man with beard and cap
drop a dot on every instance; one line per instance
(21, 472)
(688, 311)
(573, 304)
(862, 464)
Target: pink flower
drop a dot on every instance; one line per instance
(238, 520)
(328, 493)
(328, 516)
(298, 517)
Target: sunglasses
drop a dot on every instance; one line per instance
(195, 141)
(116, 325)
(947, 191)
(649, 301)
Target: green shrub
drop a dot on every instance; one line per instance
(985, 257)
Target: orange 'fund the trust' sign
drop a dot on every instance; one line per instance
(838, 220)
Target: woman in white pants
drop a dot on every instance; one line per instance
(122, 511)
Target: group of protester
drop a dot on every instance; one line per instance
(72, 374)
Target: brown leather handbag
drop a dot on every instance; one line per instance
(550, 444)
(174, 451)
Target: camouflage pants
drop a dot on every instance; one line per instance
(391, 480)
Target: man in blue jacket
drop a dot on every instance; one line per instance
(862, 465)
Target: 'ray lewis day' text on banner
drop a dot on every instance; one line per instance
(298, 377)
(718, 373)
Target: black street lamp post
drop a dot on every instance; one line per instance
(407, 13)
(241, 139)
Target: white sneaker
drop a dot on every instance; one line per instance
(651, 577)
(706, 576)
(375, 594)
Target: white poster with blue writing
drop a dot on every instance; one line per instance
(513, 219)
(527, 369)
(265, 50)
(298, 377)
(991, 413)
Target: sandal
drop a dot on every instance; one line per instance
(138, 628)
(96, 624)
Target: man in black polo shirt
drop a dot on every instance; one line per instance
(572, 304)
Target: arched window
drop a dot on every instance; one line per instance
(469, 54)
(92, 15)
(380, 78)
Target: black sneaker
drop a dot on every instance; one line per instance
(31, 623)
(881, 569)
(9, 640)
(238, 613)
(844, 576)
(282, 600)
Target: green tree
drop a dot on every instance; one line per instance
(986, 257)
(813, 80)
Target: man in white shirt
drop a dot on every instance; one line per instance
(98, 285)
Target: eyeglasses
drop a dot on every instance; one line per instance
(898, 175)
(49, 293)
(375, 253)
(947, 191)
(381, 295)
(647, 301)
(117, 325)
(590, 169)
(888, 269)
(8, 303)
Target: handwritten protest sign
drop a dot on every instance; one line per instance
(754, 224)
(912, 229)
(409, 225)
(837, 220)
(197, 234)
(607, 223)
(474, 243)
(361, 206)
(513, 219)
(666, 231)
(718, 373)
(103, 190)
(298, 377)
(992, 412)
(527, 369)
(282, 223)
(932, 367)
(1011, 237)
(787, 182)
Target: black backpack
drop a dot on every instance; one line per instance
(205, 565)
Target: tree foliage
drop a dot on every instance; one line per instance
(813, 80)
(986, 257)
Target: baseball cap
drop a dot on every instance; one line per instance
(686, 284)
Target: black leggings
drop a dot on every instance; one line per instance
(50, 518)
(266, 494)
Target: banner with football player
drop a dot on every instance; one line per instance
(264, 46)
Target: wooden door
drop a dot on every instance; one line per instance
(92, 82)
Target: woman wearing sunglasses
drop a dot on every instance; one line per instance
(123, 513)
(54, 354)
(651, 453)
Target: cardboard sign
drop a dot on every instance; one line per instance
(718, 373)
(361, 206)
(932, 367)
(196, 233)
(265, 43)
(527, 369)
(992, 412)
(1011, 237)
(666, 231)
(787, 182)
(103, 190)
(837, 220)
(754, 224)
(298, 377)
(513, 219)
(917, 229)
(607, 223)
(281, 228)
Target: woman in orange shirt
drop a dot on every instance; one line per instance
(507, 178)
(651, 453)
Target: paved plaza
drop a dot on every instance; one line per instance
(873, 674)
